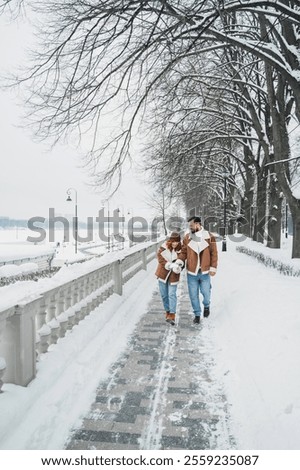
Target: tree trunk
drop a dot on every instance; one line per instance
(245, 222)
(282, 149)
(245, 226)
(275, 214)
(260, 212)
(295, 212)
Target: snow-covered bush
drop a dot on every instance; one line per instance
(33, 276)
(9, 270)
(283, 268)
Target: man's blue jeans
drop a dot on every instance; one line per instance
(169, 296)
(199, 284)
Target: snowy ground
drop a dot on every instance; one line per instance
(254, 328)
(21, 250)
(15, 246)
(256, 325)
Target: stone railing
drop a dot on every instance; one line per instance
(29, 328)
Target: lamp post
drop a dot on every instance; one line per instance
(224, 242)
(76, 215)
(122, 226)
(108, 225)
(130, 229)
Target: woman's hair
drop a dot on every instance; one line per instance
(169, 245)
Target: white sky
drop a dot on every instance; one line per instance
(33, 178)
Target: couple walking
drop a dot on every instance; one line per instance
(198, 250)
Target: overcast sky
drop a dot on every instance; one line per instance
(33, 178)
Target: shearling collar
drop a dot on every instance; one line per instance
(169, 255)
(201, 235)
(198, 240)
(198, 246)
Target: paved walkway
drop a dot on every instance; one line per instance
(161, 393)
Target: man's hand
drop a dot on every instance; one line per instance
(212, 273)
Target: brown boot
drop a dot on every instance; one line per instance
(167, 313)
(171, 318)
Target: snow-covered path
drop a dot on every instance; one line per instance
(161, 394)
(232, 383)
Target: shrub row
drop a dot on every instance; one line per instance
(34, 276)
(283, 268)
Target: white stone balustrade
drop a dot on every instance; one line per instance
(28, 329)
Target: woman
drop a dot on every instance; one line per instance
(168, 274)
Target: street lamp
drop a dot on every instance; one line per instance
(76, 216)
(108, 226)
(224, 241)
(130, 229)
(122, 226)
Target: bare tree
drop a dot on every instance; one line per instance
(109, 56)
(160, 200)
(95, 55)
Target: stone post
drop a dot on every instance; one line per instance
(117, 277)
(144, 258)
(21, 336)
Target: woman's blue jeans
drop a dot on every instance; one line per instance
(196, 285)
(168, 294)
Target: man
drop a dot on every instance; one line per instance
(199, 249)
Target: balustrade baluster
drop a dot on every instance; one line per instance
(82, 291)
(70, 312)
(53, 323)
(61, 316)
(94, 290)
(44, 331)
(90, 286)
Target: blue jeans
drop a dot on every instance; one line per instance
(199, 284)
(169, 296)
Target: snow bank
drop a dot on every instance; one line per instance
(9, 270)
(23, 250)
(283, 254)
(256, 324)
(270, 262)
